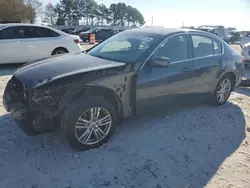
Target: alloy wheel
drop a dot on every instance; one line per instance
(93, 125)
(224, 90)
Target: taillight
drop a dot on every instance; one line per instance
(77, 41)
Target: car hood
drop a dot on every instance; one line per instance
(40, 72)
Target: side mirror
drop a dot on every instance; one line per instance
(159, 61)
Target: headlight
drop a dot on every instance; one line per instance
(47, 96)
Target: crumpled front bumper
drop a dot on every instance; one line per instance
(28, 119)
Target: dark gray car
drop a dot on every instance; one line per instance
(133, 72)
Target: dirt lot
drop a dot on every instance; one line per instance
(189, 147)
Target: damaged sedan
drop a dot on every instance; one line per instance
(86, 95)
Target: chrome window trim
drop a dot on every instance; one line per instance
(188, 34)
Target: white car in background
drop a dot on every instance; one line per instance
(21, 43)
(245, 48)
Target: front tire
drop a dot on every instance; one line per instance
(222, 91)
(90, 123)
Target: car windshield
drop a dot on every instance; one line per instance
(125, 47)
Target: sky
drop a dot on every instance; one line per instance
(176, 13)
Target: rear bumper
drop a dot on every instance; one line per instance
(29, 120)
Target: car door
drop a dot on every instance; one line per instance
(39, 41)
(156, 84)
(207, 60)
(11, 49)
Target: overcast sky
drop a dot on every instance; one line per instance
(175, 13)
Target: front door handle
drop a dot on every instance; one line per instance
(185, 69)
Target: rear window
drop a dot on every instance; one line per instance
(45, 32)
(217, 47)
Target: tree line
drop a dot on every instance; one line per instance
(89, 12)
(20, 10)
(71, 12)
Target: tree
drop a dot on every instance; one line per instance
(103, 10)
(12, 10)
(137, 18)
(129, 13)
(50, 14)
(72, 11)
(114, 12)
(121, 10)
(33, 9)
(60, 19)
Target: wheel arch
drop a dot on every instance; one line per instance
(59, 48)
(102, 91)
(231, 73)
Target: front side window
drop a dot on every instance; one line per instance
(10, 33)
(125, 47)
(202, 46)
(175, 48)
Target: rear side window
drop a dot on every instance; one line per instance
(45, 32)
(31, 32)
(202, 46)
(217, 47)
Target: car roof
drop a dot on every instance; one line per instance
(22, 24)
(2, 26)
(19, 24)
(166, 31)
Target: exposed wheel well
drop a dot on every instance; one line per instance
(232, 75)
(59, 48)
(108, 94)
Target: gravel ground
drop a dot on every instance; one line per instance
(192, 147)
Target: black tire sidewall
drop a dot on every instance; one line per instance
(61, 49)
(76, 109)
(215, 100)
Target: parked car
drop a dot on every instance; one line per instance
(100, 34)
(245, 51)
(86, 95)
(245, 39)
(67, 30)
(218, 30)
(234, 36)
(79, 30)
(20, 43)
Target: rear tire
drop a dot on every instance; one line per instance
(60, 51)
(222, 91)
(84, 132)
